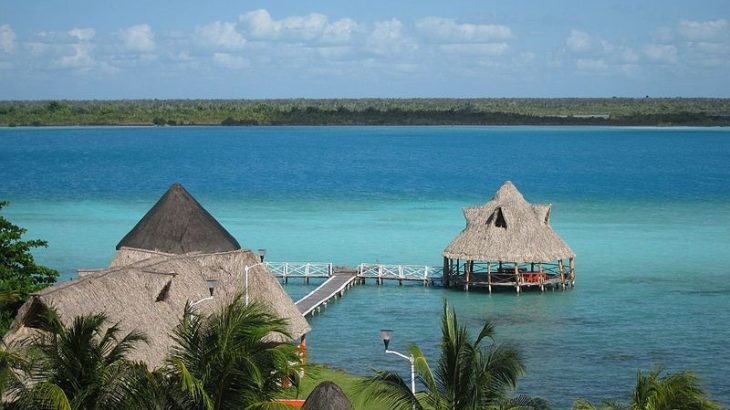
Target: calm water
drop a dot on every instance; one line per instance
(646, 210)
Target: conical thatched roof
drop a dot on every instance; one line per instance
(327, 396)
(508, 229)
(179, 224)
(147, 291)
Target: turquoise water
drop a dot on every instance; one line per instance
(647, 212)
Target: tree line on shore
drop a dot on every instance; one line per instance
(224, 360)
(425, 111)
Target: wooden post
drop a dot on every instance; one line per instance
(447, 263)
(571, 264)
(542, 278)
(517, 277)
(489, 276)
(562, 274)
(467, 274)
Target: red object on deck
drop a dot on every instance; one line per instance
(291, 402)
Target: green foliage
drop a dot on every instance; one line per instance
(19, 274)
(475, 374)
(82, 366)
(405, 111)
(674, 391)
(224, 361)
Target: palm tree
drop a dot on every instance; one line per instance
(82, 366)
(675, 391)
(469, 375)
(227, 361)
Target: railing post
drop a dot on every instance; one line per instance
(286, 272)
(331, 271)
(400, 275)
(425, 276)
(380, 274)
(306, 273)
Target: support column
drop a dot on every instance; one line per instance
(562, 274)
(468, 266)
(489, 276)
(446, 272)
(517, 276)
(571, 264)
(542, 277)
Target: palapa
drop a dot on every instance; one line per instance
(178, 224)
(327, 396)
(508, 229)
(146, 290)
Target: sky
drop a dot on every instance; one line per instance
(114, 49)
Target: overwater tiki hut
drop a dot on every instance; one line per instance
(182, 255)
(508, 242)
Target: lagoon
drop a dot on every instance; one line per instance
(647, 211)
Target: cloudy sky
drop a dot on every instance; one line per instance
(376, 48)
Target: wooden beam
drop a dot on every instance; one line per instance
(446, 271)
(489, 276)
(517, 276)
(562, 274)
(572, 271)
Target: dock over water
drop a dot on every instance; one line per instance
(338, 279)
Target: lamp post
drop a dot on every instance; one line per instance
(386, 334)
(211, 287)
(247, 268)
(262, 253)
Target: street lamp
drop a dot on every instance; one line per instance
(211, 287)
(386, 334)
(262, 253)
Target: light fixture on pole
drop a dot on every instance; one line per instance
(212, 283)
(262, 253)
(386, 334)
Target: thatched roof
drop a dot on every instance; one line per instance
(178, 224)
(147, 291)
(327, 396)
(508, 229)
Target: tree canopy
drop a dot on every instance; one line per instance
(19, 274)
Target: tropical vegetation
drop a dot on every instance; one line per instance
(418, 111)
(19, 274)
(673, 391)
(478, 374)
(225, 360)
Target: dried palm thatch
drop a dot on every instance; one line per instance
(327, 396)
(147, 291)
(178, 224)
(509, 229)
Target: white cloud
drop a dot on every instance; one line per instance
(82, 34)
(446, 30)
(629, 55)
(475, 49)
(387, 37)
(139, 38)
(7, 38)
(661, 52)
(80, 59)
(579, 41)
(591, 64)
(220, 35)
(702, 30)
(259, 24)
(230, 61)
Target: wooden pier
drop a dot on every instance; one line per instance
(337, 279)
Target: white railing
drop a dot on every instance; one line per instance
(400, 272)
(300, 269)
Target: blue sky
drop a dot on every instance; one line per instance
(332, 48)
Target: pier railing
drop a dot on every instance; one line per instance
(300, 269)
(399, 272)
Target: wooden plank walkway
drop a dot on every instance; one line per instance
(330, 289)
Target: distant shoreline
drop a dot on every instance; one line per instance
(662, 112)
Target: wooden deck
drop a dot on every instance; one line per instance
(332, 288)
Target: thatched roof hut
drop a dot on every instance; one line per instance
(327, 396)
(507, 229)
(147, 291)
(180, 249)
(178, 224)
